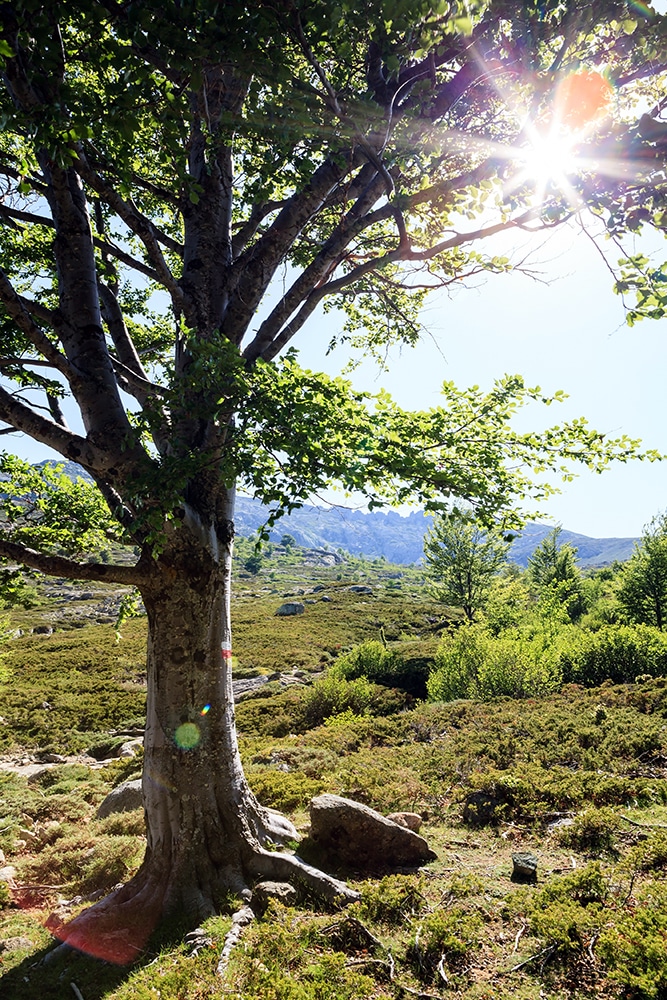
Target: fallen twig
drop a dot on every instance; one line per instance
(591, 945)
(518, 938)
(77, 991)
(645, 826)
(549, 950)
(441, 970)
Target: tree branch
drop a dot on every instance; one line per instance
(139, 225)
(15, 306)
(22, 418)
(103, 245)
(131, 576)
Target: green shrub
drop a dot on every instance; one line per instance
(633, 948)
(568, 910)
(448, 935)
(592, 830)
(392, 900)
(473, 663)
(619, 653)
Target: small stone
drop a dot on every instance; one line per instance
(410, 820)
(7, 874)
(326, 599)
(16, 944)
(266, 891)
(525, 867)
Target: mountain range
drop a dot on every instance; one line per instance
(399, 538)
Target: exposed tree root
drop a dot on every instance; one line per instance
(240, 921)
(289, 868)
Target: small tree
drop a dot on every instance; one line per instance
(553, 566)
(643, 590)
(463, 559)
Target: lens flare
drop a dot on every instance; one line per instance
(581, 99)
(205, 710)
(187, 736)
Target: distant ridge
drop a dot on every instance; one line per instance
(400, 539)
(396, 537)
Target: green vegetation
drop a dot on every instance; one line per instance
(575, 775)
(463, 558)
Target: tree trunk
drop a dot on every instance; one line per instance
(206, 832)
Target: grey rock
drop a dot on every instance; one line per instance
(524, 867)
(130, 748)
(363, 838)
(281, 829)
(124, 798)
(359, 588)
(16, 944)
(42, 630)
(8, 874)
(326, 599)
(410, 820)
(318, 588)
(264, 892)
(290, 608)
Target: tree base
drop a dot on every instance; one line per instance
(117, 928)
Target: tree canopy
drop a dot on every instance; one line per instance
(162, 162)
(463, 559)
(643, 589)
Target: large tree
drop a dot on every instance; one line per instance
(185, 183)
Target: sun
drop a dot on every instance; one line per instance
(548, 159)
(550, 155)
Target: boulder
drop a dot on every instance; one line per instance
(124, 798)
(412, 821)
(359, 588)
(290, 608)
(363, 838)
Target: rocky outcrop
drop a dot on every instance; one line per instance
(362, 838)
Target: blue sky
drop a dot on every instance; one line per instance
(566, 331)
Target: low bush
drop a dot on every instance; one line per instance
(633, 948)
(593, 830)
(407, 668)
